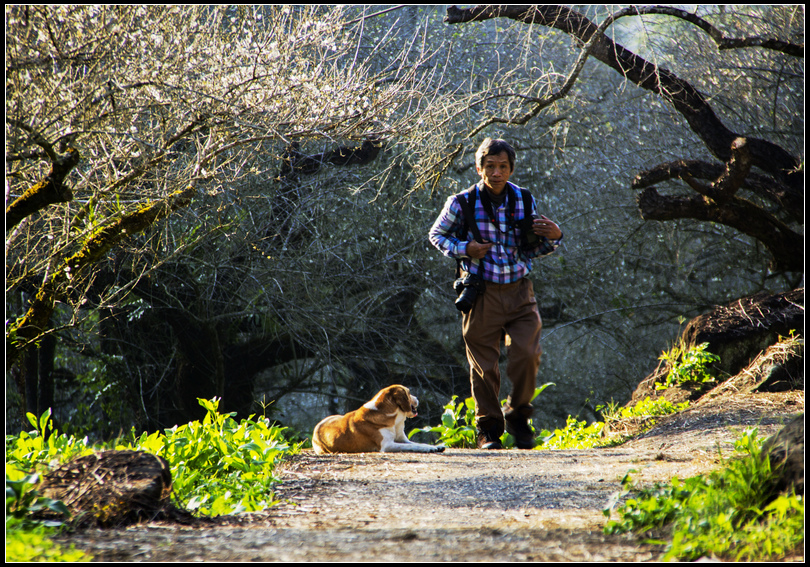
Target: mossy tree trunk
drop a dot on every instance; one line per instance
(27, 330)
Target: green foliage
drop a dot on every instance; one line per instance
(22, 499)
(687, 365)
(575, 435)
(220, 466)
(458, 425)
(579, 435)
(458, 430)
(26, 538)
(730, 513)
(37, 448)
(35, 545)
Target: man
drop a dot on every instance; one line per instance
(506, 307)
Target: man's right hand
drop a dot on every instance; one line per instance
(478, 250)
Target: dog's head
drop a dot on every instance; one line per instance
(396, 397)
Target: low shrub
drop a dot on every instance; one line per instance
(731, 513)
(218, 467)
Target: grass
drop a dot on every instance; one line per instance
(731, 513)
(218, 465)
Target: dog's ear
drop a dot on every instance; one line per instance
(402, 398)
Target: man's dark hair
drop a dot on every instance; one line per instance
(490, 147)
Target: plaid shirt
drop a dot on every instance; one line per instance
(504, 263)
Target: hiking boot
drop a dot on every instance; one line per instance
(518, 427)
(488, 440)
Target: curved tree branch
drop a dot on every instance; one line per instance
(682, 95)
(48, 191)
(719, 203)
(789, 200)
(27, 329)
(718, 36)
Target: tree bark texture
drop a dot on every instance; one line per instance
(112, 488)
(35, 322)
(48, 191)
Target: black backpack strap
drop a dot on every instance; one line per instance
(527, 202)
(466, 201)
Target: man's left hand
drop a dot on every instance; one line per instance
(547, 228)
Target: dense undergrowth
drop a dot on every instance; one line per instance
(731, 513)
(218, 465)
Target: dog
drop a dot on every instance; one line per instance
(377, 426)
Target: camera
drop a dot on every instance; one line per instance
(468, 289)
(528, 239)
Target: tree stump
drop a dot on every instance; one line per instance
(740, 332)
(786, 453)
(112, 488)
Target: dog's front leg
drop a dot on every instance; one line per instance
(391, 445)
(399, 431)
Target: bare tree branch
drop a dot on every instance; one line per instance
(795, 50)
(682, 95)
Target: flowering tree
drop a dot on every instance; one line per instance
(118, 117)
(780, 184)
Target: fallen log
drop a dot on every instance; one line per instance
(113, 488)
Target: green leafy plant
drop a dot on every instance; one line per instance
(730, 513)
(37, 448)
(34, 544)
(457, 429)
(575, 435)
(220, 466)
(26, 537)
(580, 435)
(22, 500)
(687, 365)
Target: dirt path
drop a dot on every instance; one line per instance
(460, 505)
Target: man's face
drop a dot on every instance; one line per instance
(495, 172)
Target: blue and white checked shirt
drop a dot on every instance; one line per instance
(504, 263)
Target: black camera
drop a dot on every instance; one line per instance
(528, 239)
(468, 289)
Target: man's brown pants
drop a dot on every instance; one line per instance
(508, 310)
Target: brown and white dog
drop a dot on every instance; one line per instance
(379, 425)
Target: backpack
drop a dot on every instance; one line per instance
(466, 200)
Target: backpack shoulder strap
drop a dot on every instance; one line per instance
(466, 201)
(527, 202)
